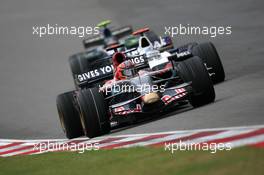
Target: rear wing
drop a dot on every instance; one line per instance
(98, 40)
(93, 41)
(122, 32)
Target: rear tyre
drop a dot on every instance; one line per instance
(208, 53)
(69, 116)
(93, 112)
(194, 70)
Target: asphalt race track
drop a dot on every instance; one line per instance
(34, 70)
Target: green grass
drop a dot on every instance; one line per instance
(246, 160)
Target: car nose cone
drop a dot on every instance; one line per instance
(150, 98)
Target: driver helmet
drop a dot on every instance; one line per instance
(124, 70)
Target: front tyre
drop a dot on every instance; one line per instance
(93, 112)
(194, 70)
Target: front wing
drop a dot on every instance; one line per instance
(169, 96)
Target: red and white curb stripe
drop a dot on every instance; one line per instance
(235, 136)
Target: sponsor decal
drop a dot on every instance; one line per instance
(95, 73)
(122, 111)
(103, 70)
(181, 92)
(182, 54)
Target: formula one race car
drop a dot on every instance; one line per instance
(96, 58)
(136, 92)
(107, 36)
(94, 66)
(206, 51)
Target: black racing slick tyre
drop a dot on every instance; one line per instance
(193, 70)
(208, 53)
(93, 112)
(69, 116)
